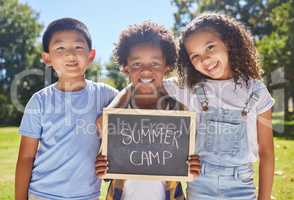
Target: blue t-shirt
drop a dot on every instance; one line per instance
(64, 123)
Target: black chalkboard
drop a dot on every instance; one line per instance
(152, 144)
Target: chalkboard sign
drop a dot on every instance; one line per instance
(148, 144)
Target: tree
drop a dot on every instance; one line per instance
(94, 71)
(118, 80)
(254, 14)
(278, 47)
(18, 52)
(185, 13)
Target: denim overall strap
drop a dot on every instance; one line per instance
(199, 90)
(253, 98)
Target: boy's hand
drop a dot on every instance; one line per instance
(194, 165)
(101, 165)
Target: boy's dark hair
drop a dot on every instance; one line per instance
(238, 40)
(65, 24)
(146, 32)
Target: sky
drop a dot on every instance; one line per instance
(105, 18)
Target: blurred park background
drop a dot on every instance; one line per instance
(22, 73)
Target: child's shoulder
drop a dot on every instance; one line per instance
(240, 85)
(46, 91)
(254, 86)
(265, 100)
(172, 84)
(101, 86)
(257, 84)
(38, 99)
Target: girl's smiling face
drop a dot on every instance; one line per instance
(208, 54)
(146, 67)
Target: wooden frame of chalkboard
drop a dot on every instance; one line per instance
(173, 131)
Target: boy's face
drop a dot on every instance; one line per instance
(69, 54)
(146, 67)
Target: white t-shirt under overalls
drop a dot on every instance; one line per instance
(225, 101)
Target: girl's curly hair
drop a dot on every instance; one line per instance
(239, 41)
(146, 32)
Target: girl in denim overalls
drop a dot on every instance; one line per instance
(218, 65)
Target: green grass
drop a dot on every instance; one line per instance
(284, 173)
(8, 155)
(9, 141)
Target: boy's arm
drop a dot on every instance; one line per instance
(120, 101)
(266, 154)
(27, 151)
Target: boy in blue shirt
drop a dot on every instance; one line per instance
(58, 134)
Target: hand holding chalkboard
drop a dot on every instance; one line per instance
(194, 165)
(150, 144)
(101, 165)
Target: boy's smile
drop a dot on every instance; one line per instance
(209, 55)
(146, 67)
(69, 54)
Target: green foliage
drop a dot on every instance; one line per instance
(94, 71)
(117, 79)
(3, 106)
(270, 47)
(185, 12)
(18, 52)
(18, 33)
(254, 14)
(279, 44)
(277, 48)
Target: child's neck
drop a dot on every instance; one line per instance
(71, 85)
(148, 101)
(145, 102)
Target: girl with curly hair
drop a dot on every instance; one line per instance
(219, 78)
